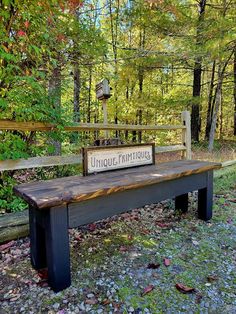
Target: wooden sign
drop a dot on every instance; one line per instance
(106, 158)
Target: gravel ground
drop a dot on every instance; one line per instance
(151, 260)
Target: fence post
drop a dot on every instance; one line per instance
(186, 134)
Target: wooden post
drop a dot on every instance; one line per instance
(186, 134)
(205, 199)
(104, 108)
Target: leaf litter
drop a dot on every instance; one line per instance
(117, 278)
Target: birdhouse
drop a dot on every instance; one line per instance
(103, 90)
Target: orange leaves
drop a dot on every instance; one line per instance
(27, 24)
(74, 4)
(184, 289)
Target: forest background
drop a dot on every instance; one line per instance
(161, 57)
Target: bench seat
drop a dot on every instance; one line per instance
(44, 194)
(59, 204)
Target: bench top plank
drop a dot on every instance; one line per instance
(50, 193)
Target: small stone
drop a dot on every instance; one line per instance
(82, 307)
(90, 295)
(56, 306)
(131, 309)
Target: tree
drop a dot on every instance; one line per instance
(197, 73)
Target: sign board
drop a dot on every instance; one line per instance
(103, 90)
(106, 158)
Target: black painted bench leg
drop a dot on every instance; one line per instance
(57, 247)
(181, 202)
(37, 241)
(205, 199)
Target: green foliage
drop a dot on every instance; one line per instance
(9, 202)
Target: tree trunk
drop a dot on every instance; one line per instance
(210, 103)
(197, 72)
(77, 88)
(114, 23)
(216, 109)
(54, 92)
(140, 80)
(221, 71)
(89, 96)
(139, 111)
(221, 117)
(235, 91)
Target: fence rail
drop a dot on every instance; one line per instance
(39, 126)
(45, 161)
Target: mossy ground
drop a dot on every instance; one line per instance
(111, 261)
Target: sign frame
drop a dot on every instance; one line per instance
(85, 151)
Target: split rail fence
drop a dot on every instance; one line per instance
(45, 161)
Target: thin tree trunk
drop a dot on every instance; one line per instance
(89, 96)
(235, 91)
(197, 72)
(221, 117)
(114, 22)
(77, 88)
(216, 109)
(54, 92)
(221, 71)
(140, 80)
(210, 103)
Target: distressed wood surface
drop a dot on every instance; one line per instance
(39, 126)
(44, 194)
(48, 161)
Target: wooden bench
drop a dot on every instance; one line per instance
(59, 204)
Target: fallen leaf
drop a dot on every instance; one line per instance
(130, 237)
(153, 266)
(6, 246)
(15, 297)
(78, 237)
(92, 227)
(145, 231)
(167, 262)
(43, 273)
(162, 224)
(184, 289)
(123, 248)
(229, 221)
(212, 278)
(92, 301)
(42, 284)
(106, 302)
(147, 290)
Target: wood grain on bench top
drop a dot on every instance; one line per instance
(44, 194)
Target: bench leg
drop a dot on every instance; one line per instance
(181, 202)
(37, 241)
(205, 199)
(57, 247)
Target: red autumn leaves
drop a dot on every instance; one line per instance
(22, 32)
(179, 286)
